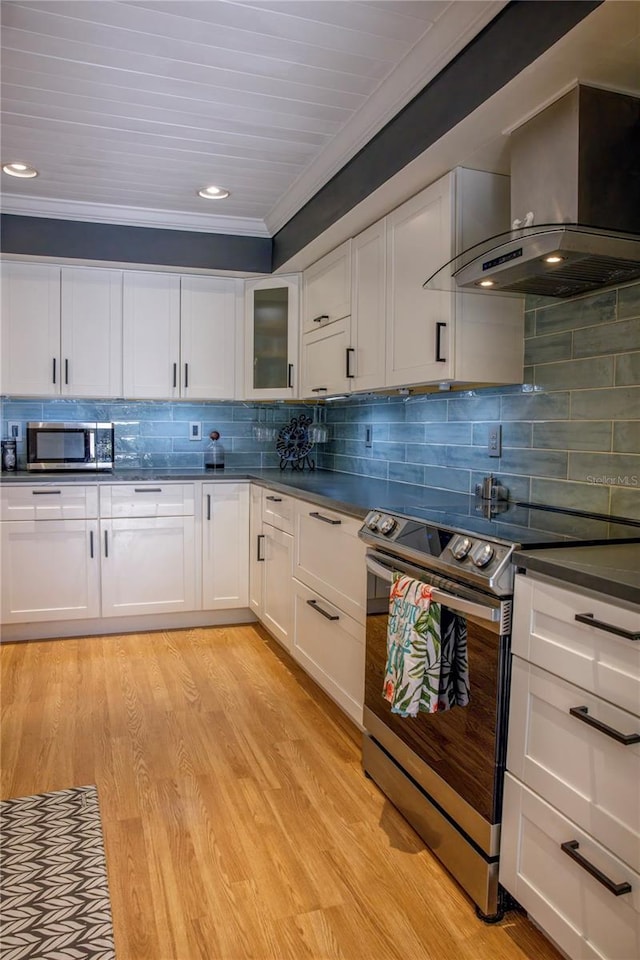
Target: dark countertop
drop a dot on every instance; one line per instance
(612, 569)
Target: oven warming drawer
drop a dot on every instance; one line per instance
(476, 874)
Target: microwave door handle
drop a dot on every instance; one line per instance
(457, 604)
(92, 446)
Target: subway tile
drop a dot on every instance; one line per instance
(380, 431)
(389, 451)
(627, 369)
(567, 526)
(163, 428)
(335, 412)
(23, 410)
(556, 346)
(433, 453)
(75, 410)
(613, 469)
(362, 467)
(469, 458)
(574, 374)
(611, 338)
(629, 301)
(534, 301)
(426, 409)
(625, 501)
(619, 403)
(535, 406)
(146, 410)
(626, 436)
(571, 495)
(573, 314)
(572, 435)
(448, 432)
(529, 323)
(350, 431)
(447, 478)
(528, 374)
(474, 408)
(406, 473)
(240, 461)
(534, 463)
(154, 444)
(515, 433)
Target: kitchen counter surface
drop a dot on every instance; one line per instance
(612, 569)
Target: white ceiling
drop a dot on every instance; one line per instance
(128, 108)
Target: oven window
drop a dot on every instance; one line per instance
(61, 445)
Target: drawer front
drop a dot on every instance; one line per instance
(577, 911)
(49, 501)
(330, 558)
(582, 770)
(278, 510)
(147, 500)
(546, 632)
(329, 645)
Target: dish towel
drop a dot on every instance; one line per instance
(427, 669)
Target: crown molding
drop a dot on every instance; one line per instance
(27, 206)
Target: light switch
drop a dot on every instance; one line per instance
(195, 431)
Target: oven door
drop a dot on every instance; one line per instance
(61, 446)
(456, 753)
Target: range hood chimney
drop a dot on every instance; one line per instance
(575, 202)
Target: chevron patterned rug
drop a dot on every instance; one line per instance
(54, 897)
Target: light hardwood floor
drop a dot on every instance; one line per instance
(237, 821)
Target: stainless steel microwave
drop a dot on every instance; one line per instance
(69, 446)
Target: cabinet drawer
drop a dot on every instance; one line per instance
(581, 770)
(278, 510)
(147, 500)
(329, 645)
(546, 631)
(48, 501)
(577, 911)
(330, 558)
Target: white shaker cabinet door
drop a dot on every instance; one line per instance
(208, 338)
(225, 545)
(256, 552)
(368, 316)
(91, 356)
(30, 329)
(278, 615)
(151, 335)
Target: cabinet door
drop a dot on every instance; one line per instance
(49, 570)
(327, 289)
(91, 332)
(151, 335)
(225, 545)
(256, 552)
(368, 292)
(326, 360)
(419, 322)
(271, 338)
(148, 565)
(208, 338)
(278, 585)
(30, 329)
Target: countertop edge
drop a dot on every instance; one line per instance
(564, 573)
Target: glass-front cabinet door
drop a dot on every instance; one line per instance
(272, 338)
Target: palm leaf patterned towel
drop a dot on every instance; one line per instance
(427, 668)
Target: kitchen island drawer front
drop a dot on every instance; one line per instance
(582, 770)
(546, 632)
(329, 645)
(330, 558)
(585, 918)
(278, 510)
(48, 501)
(147, 500)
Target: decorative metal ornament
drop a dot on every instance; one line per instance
(294, 444)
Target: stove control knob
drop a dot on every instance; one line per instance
(373, 520)
(460, 547)
(387, 525)
(483, 554)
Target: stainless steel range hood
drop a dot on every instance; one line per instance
(575, 203)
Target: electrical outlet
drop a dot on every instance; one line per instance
(195, 431)
(494, 442)
(14, 430)
(368, 435)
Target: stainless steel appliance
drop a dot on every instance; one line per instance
(72, 445)
(444, 770)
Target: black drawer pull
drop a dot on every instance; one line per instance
(147, 489)
(46, 493)
(582, 713)
(314, 606)
(259, 545)
(439, 329)
(323, 316)
(275, 499)
(318, 389)
(318, 516)
(589, 619)
(617, 889)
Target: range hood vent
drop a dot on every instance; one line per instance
(575, 174)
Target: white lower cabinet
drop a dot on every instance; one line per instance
(225, 545)
(277, 600)
(256, 552)
(50, 570)
(329, 644)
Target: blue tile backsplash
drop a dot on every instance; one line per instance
(570, 433)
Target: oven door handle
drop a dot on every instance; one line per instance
(457, 604)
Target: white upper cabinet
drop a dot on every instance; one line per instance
(271, 337)
(179, 336)
(368, 287)
(326, 359)
(327, 289)
(61, 331)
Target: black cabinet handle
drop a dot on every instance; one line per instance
(350, 352)
(54, 369)
(259, 543)
(186, 375)
(106, 543)
(582, 713)
(290, 375)
(318, 389)
(323, 316)
(275, 499)
(147, 489)
(208, 506)
(66, 370)
(589, 619)
(91, 544)
(439, 357)
(314, 606)
(318, 516)
(46, 493)
(175, 375)
(571, 850)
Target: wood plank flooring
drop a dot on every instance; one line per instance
(237, 821)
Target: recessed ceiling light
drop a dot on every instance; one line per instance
(554, 258)
(214, 193)
(20, 169)
(486, 283)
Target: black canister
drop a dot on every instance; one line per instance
(9, 456)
